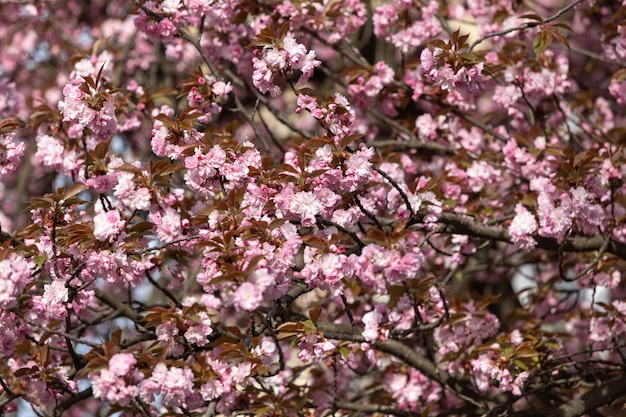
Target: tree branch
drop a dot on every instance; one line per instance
(407, 355)
(462, 225)
(371, 408)
(120, 308)
(599, 396)
(525, 25)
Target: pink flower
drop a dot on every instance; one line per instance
(76, 110)
(11, 153)
(384, 18)
(108, 225)
(234, 172)
(168, 225)
(247, 297)
(325, 271)
(306, 206)
(199, 332)
(407, 267)
(427, 126)
(166, 332)
(15, 274)
(212, 389)
(359, 168)
(52, 154)
(371, 321)
(618, 90)
(132, 194)
(263, 78)
(115, 267)
(54, 295)
(174, 384)
(113, 388)
(279, 61)
(203, 168)
(12, 330)
(121, 364)
(481, 174)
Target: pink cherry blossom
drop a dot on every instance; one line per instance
(247, 296)
(522, 227)
(15, 274)
(108, 225)
(11, 153)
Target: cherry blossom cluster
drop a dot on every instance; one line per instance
(11, 152)
(279, 61)
(332, 20)
(439, 68)
(207, 93)
(314, 207)
(84, 106)
(336, 114)
(398, 24)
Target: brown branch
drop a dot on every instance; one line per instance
(5, 237)
(120, 308)
(429, 148)
(599, 396)
(371, 408)
(408, 355)
(60, 409)
(461, 114)
(525, 25)
(164, 290)
(60, 333)
(454, 223)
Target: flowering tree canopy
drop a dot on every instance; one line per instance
(313, 208)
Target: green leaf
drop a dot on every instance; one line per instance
(520, 364)
(344, 351)
(539, 44)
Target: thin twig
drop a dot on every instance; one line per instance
(350, 233)
(395, 185)
(525, 25)
(164, 290)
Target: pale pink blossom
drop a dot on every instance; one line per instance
(427, 126)
(247, 297)
(358, 168)
(371, 321)
(384, 17)
(618, 91)
(168, 225)
(108, 225)
(11, 153)
(306, 205)
(132, 194)
(198, 333)
(15, 274)
(52, 154)
(174, 384)
(121, 364)
(212, 389)
(280, 61)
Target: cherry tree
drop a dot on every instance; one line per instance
(312, 208)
